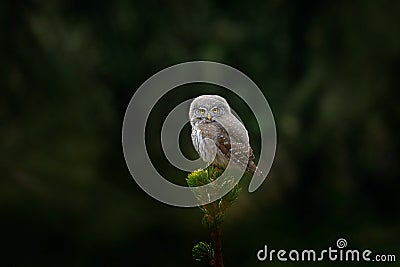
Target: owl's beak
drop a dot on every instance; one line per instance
(209, 116)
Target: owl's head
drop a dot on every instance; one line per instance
(208, 107)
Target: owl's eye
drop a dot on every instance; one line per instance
(215, 110)
(202, 111)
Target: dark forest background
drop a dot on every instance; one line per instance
(329, 69)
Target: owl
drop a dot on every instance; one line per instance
(218, 136)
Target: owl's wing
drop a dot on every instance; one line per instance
(239, 139)
(211, 130)
(223, 142)
(219, 135)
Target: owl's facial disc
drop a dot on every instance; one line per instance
(208, 107)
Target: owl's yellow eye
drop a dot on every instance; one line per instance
(202, 111)
(215, 110)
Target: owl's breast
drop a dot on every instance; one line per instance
(203, 141)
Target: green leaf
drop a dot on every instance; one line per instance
(198, 178)
(203, 252)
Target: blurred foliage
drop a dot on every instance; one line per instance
(330, 70)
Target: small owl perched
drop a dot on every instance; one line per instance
(211, 120)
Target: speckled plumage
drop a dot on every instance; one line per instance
(216, 131)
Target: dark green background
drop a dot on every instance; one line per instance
(329, 69)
